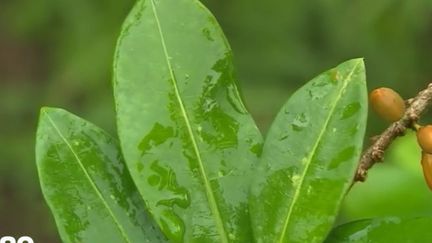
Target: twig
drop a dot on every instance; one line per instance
(375, 153)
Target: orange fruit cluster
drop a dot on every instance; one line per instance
(390, 106)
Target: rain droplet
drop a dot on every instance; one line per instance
(206, 32)
(309, 190)
(320, 83)
(260, 228)
(295, 180)
(354, 130)
(317, 93)
(209, 105)
(154, 180)
(256, 149)
(172, 225)
(165, 180)
(394, 220)
(350, 110)
(235, 100)
(342, 156)
(304, 161)
(334, 76)
(300, 122)
(140, 166)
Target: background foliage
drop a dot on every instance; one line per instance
(58, 52)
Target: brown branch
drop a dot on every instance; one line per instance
(375, 153)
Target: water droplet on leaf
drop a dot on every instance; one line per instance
(300, 122)
(350, 110)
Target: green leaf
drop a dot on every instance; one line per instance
(86, 183)
(186, 136)
(309, 157)
(383, 230)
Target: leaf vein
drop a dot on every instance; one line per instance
(312, 154)
(87, 175)
(210, 196)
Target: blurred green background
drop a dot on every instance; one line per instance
(59, 53)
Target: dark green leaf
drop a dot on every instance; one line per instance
(383, 230)
(309, 157)
(86, 183)
(186, 136)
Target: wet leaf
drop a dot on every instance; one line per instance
(186, 136)
(383, 230)
(86, 183)
(309, 157)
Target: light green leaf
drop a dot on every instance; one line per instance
(86, 184)
(186, 136)
(309, 157)
(383, 230)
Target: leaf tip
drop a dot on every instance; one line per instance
(47, 113)
(357, 62)
(47, 110)
(355, 66)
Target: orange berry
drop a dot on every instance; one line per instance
(387, 103)
(424, 138)
(427, 168)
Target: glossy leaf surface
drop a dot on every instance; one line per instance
(86, 183)
(383, 230)
(186, 136)
(309, 157)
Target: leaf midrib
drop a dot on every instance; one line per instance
(209, 191)
(312, 154)
(87, 175)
